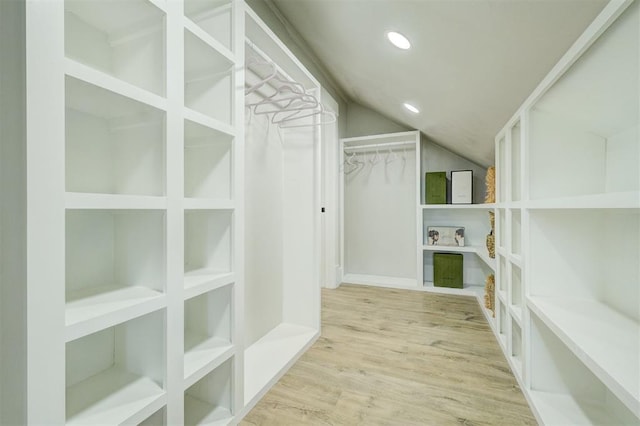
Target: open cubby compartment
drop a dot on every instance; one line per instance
(159, 418)
(516, 232)
(564, 391)
(474, 273)
(209, 400)
(515, 179)
(502, 176)
(115, 266)
(585, 127)
(584, 277)
(125, 39)
(116, 375)
(515, 347)
(503, 322)
(114, 145)
(207, 246)
(474, 221)
(208, 162)
(208, 80)
(516, 290)
(503, 272)
(502, 232)
(214, 17)
(207, 331)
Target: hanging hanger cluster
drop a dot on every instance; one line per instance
(376, 153)
(288, 103)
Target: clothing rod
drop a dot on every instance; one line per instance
(378, 145)
(262, 55)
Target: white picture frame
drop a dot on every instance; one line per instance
(462, 187)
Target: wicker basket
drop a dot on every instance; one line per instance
(489, 293)
(491, 245)
(490, 181)
(492, 220)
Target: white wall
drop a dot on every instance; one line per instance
(438, 159)
(12, 214)
(379, 217)
(363, 121)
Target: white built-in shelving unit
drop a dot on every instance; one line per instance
(134, 175)
(281, 303)
(568, 289)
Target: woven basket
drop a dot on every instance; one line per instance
(491, 245)
(490, 181)
(492, 220)
(489, 293)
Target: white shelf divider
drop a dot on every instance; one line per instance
(203, 356)
(100, 79)
(270, 357)
(114, 396)
(607, 342)
(563, 409)
(198, 412)
(614, 200)
(205, 120)
(207, 204)
(81, 200)
(481, 251)
(203, 280)
(95, 308)
(205, 37)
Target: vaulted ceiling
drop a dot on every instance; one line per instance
(471, 64)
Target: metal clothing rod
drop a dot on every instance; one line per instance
(378, 145)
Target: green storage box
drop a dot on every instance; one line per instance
(435, 187)
(447, 270)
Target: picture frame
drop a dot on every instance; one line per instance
(444, 236)
(462, 187)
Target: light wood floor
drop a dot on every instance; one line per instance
(396, 357)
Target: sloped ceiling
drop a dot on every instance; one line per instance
(472, 62)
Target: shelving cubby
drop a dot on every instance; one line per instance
(502, 323)
(116, 375)
(113, 144)
(208, 158)
(209, 401)
(501, 229)
(213, 17)
(207, 332)
(159, 418)
(516, 347)
(124, 39)
(516, 292)
(583, 286)
(515, 243)
(589, 120)
(501, 169)
(115, 267)
(515, 173)
(207, 250)
(564, 390)
(475, 221)
(208, 79)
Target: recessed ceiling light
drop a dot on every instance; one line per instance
(398, 40)
(411, 108)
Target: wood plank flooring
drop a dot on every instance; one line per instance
(397, 357)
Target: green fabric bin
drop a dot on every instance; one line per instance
(435, 187)
(447, 270)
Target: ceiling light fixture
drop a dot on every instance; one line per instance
(411, 108)
(398, 40)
